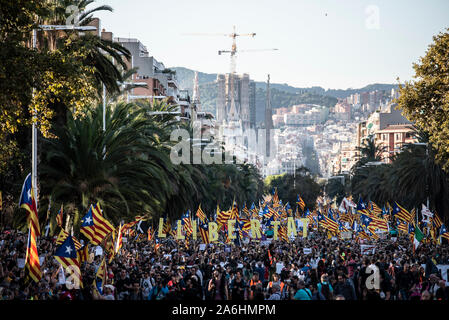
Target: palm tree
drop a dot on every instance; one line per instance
(103, 56)
(369, 151)
(412, 176)
(123, 168)
(126, 85)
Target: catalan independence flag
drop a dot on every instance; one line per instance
(275, 196)
(62, 236)
(204, 231)
(94, 226)
(88, 227)
(67, 256)
(200, 214)
(444, 232)
(100, 277)
(83, 254)
(223, 216)
(32, 258)
(362, 207)
(401, 213)
(300, 202)
(59, 217)
(187, 223)
(28, 202)
(102, 226)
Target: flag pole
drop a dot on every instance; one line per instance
(34, 142)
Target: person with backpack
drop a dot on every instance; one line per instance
(325, 288)
(303, 293)
(159, 291)
(344, 287)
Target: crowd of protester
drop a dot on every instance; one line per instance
(334, 270)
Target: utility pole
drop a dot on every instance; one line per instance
(35, 119)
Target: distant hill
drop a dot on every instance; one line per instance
(185, 77)
(282, 95)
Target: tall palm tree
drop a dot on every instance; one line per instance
(123, 167)
(369, 151)
(106, 58)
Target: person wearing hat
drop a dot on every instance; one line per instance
(276, 292)
(108, 292)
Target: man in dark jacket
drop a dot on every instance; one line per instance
(344, 288)
(404, 282)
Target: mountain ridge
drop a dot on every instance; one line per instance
(186, 75)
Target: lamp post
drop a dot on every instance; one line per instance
(427, 178)
(34, 127)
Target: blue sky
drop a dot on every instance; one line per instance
(330, 43)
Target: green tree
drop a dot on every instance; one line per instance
(289, 186)
(425, 101)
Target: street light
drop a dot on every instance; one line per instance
(34, 127)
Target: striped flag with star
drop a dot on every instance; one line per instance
(283, 233)
(187, 223)
(32, 257)
(444, 232)
(375, 209)
(401, 213)
(88, 227)
(402, 226)
(204, 231)
(28, 202)
(59, 217)
(62, 236)
(223, 216)
(275, 196)
(300, 202)
(200, 214)
(100, 277)
(362, 207)
(102, 226)
(83, 253)
(66, 255)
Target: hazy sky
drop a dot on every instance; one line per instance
(329, 43)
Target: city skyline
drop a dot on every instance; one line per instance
(339, 45)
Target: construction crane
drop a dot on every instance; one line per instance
(231, 97)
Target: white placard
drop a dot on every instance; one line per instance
(334, 238)
(279, 267)
(98, 251)
(346, 234)
(167, 256)
(124, 239)
(239, 265)
(367, 248)
(444, 272)
(61, 275)
(41, 260)
(307, 250)
(21, 263)
(202, 246)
